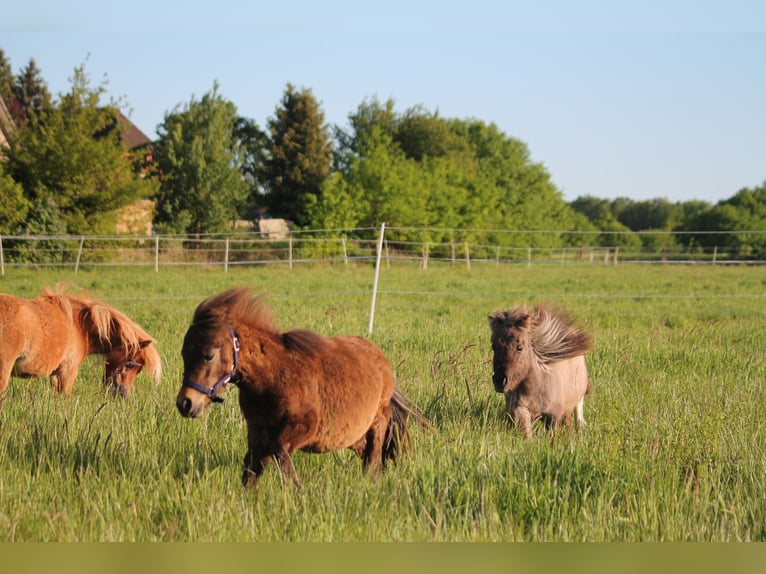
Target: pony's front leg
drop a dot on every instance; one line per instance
(63, 378)
(522, 418)
(254, 467)
(5, 377)
(285, 462)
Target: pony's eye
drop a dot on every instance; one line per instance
(519, 349)
(208, 357)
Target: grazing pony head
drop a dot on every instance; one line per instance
(127, 347)
(522, 339)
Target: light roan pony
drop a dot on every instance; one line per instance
(297, 390)
(539, 365)
(52, 334)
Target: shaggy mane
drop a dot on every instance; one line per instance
(239, 305)
(555, 336)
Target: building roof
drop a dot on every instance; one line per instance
(6, 124)
(132, 136)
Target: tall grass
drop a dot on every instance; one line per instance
(673, 450)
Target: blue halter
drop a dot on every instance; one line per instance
(230, 377)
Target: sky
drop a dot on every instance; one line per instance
(644, 100)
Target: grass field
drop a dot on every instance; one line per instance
(674, 450)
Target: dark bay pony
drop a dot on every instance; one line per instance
(52, 334)
(297, 390)
(539, 366)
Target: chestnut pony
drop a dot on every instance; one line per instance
(52, 334)
(297, 390)
(539, 366)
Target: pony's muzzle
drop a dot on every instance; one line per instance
(499, 381)
(188, 407)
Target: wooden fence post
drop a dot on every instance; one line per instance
(467, 256)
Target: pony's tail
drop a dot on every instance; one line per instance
(397, 439)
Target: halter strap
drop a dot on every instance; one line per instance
(230, 377)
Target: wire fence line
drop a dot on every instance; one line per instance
(345, 246)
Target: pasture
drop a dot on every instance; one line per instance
(673, 450)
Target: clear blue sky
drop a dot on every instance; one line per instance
(635, 99)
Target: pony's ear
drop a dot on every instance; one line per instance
(145, 343)
(524, 322)
(496, 318)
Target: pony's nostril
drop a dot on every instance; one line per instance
(184, 407)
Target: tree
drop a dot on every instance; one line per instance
(300, 156)
(31, 93)
(419, 170)
(15, 205)
(741, 214)
(252, 142)
(7, 82)
(70, 155)
(200, 155)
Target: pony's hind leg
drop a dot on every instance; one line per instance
(372, 457)
(579, 415)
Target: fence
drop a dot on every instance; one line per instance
(344, 246)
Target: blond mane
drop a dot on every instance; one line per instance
(112, 327)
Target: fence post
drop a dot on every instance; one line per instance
(467, 256)
(2, 258)
(529, 258)
(616, 254)
(79, 254)
(345, 251)
(290, 248)
(715, 253)
(377, 275)
(156, 253)
(226, 257)
(425, 256)
(497, 256)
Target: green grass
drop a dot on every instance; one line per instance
(673, 451)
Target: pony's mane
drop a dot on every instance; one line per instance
(238, 305)
(555, 336)
(109, 324)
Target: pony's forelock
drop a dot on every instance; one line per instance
(235, 305)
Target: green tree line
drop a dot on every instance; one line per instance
(67, 169)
